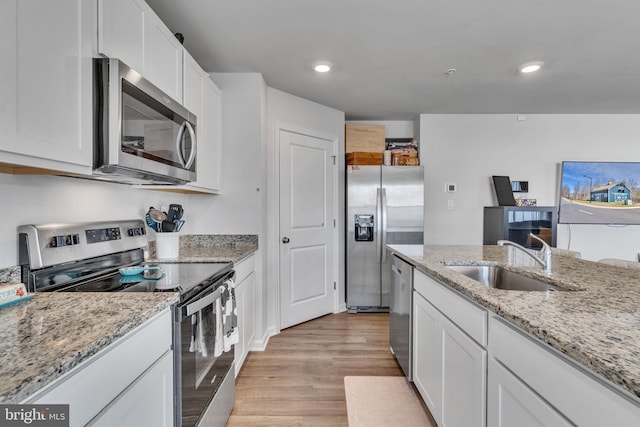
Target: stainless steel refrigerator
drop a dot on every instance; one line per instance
(384, 206)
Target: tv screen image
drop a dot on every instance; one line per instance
(600, 193)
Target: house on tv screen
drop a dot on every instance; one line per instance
(612, 192)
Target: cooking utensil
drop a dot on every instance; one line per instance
(168, 226)
(175, 212)
(157, 216)
(179, 224)
(132, 271)
(150, 222)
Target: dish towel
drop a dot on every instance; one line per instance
(229, 315)
(201, 345)
(218, 346)
(194, 333)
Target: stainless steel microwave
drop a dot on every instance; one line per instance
(141, 135)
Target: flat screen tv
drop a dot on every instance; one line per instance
(600, 193)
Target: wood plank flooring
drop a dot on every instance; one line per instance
(299, 379)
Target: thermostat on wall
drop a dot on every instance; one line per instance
(450, 188)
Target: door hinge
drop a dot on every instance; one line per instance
(334, 160)
(334, 223)
(334, 286)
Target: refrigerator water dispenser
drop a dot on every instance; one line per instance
(364, 228)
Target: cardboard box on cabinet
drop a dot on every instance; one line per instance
(364, 138)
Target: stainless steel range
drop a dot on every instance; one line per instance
(88, 258)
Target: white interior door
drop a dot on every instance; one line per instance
(307, 227)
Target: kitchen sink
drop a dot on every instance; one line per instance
(497, 277)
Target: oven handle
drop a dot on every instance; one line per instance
(198, 305)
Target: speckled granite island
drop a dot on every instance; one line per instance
(596, 323)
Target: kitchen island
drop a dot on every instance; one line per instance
(594, 324)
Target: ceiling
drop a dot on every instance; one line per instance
(390, 57)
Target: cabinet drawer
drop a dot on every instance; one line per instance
(576, 393)
(90, 387)
(244, 268)
(467, 315)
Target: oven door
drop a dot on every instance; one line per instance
(199, 372)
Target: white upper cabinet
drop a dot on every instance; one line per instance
(163, 55)
(210, 167)
(130, 31)
(45, 85)
(121, 31)
(203, 98)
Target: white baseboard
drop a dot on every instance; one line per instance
(342, 307)
(261, 344)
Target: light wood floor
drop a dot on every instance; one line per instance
(299, 379)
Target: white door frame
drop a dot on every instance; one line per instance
(274, 223)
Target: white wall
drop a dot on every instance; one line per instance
(292, 110)
(35, 199)
(468, 149)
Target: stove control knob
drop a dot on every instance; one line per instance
(57, 241)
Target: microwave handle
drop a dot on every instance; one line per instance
(194, 145)
(180, 145)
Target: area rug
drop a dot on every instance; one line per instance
(383, 401)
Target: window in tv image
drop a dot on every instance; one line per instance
(600, 193)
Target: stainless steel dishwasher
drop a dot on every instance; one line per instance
(400, 305)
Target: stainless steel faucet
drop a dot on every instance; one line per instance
(545, 251)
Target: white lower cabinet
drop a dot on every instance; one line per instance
(449, 366)
(427, 354)
(476, 369)
(511, 403)
(246, 305)
(129, 383)
(464, 367)
(147, 402)
(551, 388)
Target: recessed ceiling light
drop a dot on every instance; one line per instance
(530, 67)
(322, 67)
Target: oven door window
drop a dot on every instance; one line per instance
(202, 372)
(152, 131)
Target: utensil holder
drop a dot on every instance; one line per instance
(167, 245)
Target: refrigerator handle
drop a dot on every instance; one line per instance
(383, 231)
(378, 224)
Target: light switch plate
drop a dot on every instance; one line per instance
(450, 188)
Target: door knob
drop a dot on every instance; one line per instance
(285, 240)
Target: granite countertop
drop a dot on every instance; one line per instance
(45, 337)
(53, 332)
(213, 248)
(597, 324)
